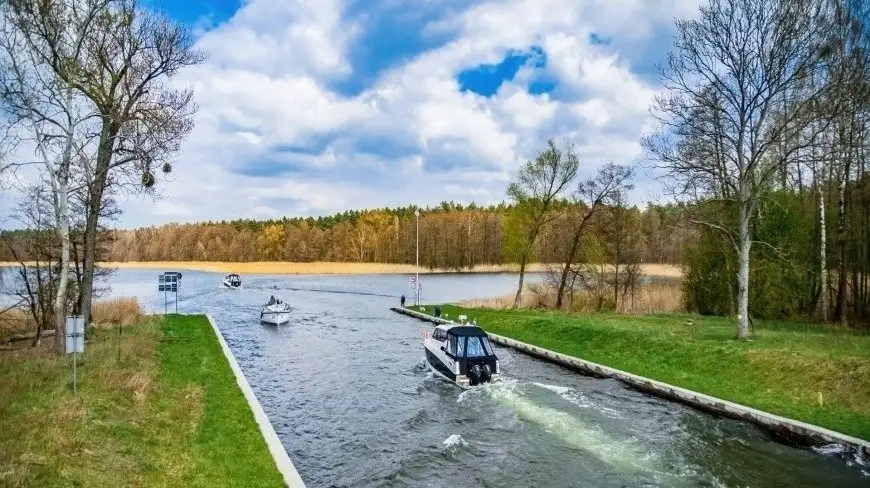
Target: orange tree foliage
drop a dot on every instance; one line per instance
(452, 236)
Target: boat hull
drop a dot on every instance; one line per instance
(437, 366)
(275, 318)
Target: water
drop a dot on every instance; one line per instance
(346, 388)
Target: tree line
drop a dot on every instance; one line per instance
(452, 236)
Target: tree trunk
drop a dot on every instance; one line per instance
(563, 281)
(95, 200)
(572, 253)
(62, 217)
(823, 256)
(63, 278)
(840, 305)
(743, 245)
(523, 259)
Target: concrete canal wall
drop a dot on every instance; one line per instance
(791, 430)
(279, 454)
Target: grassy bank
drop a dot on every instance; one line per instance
(816, 374)
(285, 267)
(168, 414)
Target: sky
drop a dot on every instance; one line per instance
(311, 107)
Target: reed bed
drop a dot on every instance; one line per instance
(648, 298)
(126, 311)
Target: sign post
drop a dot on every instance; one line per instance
(75, 341)
(414, 281)
(168, 283)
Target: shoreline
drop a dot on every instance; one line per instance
(787, 429)
(701, 356)
(346, 268)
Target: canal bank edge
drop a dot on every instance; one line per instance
(792, 430)
(279, 454)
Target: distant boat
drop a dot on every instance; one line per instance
(275, 313)
(233, 281)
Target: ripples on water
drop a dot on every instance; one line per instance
(347, 389)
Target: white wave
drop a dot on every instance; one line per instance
(561, 390)
(830, 449)
(454, 441)
(579, 399)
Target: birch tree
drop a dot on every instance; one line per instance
(49, 116)
(736, 81)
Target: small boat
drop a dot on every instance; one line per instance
(275, 313)
(232, 281)
(462, 354)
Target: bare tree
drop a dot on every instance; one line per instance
(736, 84)
(129, 54)
(539, 184)
(35, 249)
(590, 197)
(48, 114)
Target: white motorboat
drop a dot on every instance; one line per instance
(233, 281)
(461, 354)
(275, 313)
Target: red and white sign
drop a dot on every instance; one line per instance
(413, 282)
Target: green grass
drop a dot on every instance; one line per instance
(169, 414)
(813, 373)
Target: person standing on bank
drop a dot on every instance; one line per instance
(403, 301)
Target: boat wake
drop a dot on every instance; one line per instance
(342, 292)
(578, 399)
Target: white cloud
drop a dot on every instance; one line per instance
(275, 136)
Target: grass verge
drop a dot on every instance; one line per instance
(813, 373)
(168, 414)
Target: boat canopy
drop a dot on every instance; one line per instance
(466, 341)
(466, 331)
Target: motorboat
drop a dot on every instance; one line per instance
(233, 281)
(275, 313)
(462, 354)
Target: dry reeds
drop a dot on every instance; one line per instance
(124, 311)
(648, 298)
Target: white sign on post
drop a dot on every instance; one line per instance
(75, 334)
(413, 281)
(75, 340)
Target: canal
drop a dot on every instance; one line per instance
(347, 390)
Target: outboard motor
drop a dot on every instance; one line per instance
(475, 375)
(487, 374)
(479, 374)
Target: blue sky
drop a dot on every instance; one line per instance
(309, 107)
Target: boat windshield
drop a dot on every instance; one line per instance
(478, 347)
